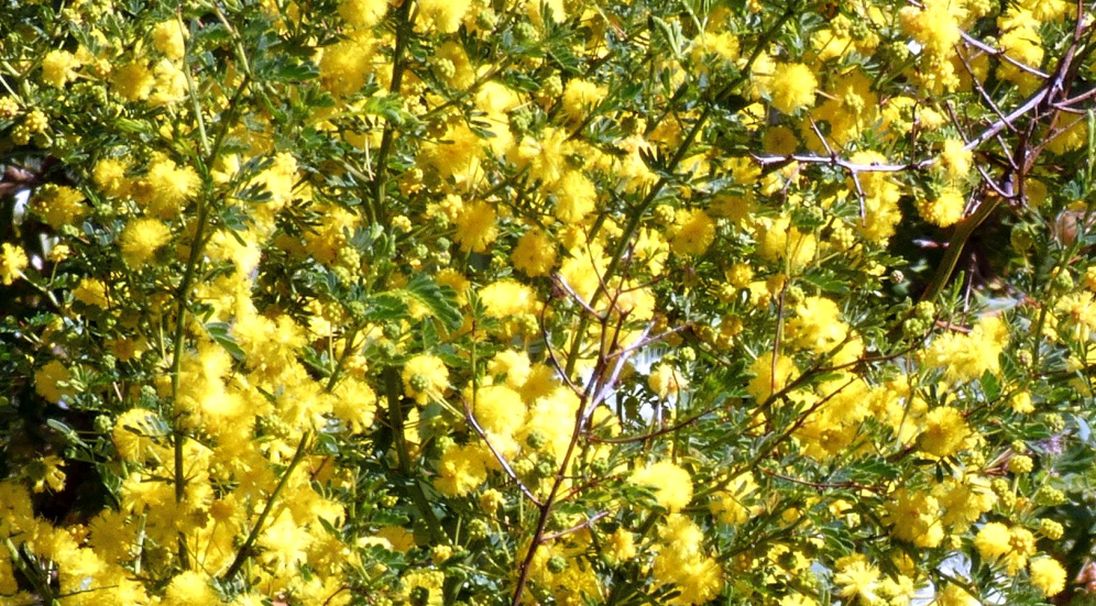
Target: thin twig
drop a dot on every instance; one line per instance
(1000, 54)
(245, 550)
(470, 416)
(588, 523)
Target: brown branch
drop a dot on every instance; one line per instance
(1000, 54)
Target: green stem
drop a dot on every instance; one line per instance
(348, 349)
(193, 261)
(956, 244)
(380, 182)
(245, 550)
(176, 365)
(403, 457)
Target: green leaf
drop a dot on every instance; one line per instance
(219, 331)
(68, 432)
(385, 307)
(441, 300)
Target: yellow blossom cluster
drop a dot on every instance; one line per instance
(468, 302)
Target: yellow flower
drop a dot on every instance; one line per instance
(355, 403)
(693, 233)
(444, 15)
(945, 431)
(915, 516)
(476, 228)
(777, 240)
(166, 188)
(345, 65)
(955, 159)
(133, 81)
(967, 357)
(362, 14)
(48, 380)
(666, 381)
(1048, 576)
(995, 541)
(91, 292)
(110, 175)
(134, 433)
(935, 25)
(946, 210)
(535, 253)
(189, 588)
(461, 470)
(992, 540)
(954, 595)
(425, 376)
(12, 263)
(512, 364)
(285, 543)
(423, 587)
(575, 196)
(580, 96)
(59, 205)
(673, 487)
(169, 38)
(792, 87)
(881, 194)
(58, 67)
(499, 410)
(766, 382)
(47, 472)
(507, 298)
(1020, 402)
(817, 324)
(170, 84)
(620, 546)
(682, 562)
(857, 580)
(141, 239)
(779, 140)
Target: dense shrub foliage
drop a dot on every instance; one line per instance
(432, 302)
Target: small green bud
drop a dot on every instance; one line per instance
(914, 327)
(419, 383)
(1048, 496)
(1051, 529)
(545, 468)
(600, 467)
(925, 310)
(444, 443)
(389, 350)
(103, 424)
(1062, 281)
(536, 440)
(664, 214)
(1020, 464)
(477, 529)
(1020, 238)
(557, 564)
(525, 31)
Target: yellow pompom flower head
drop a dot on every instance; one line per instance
(673, 486)
(425, 377)
(12, 262)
